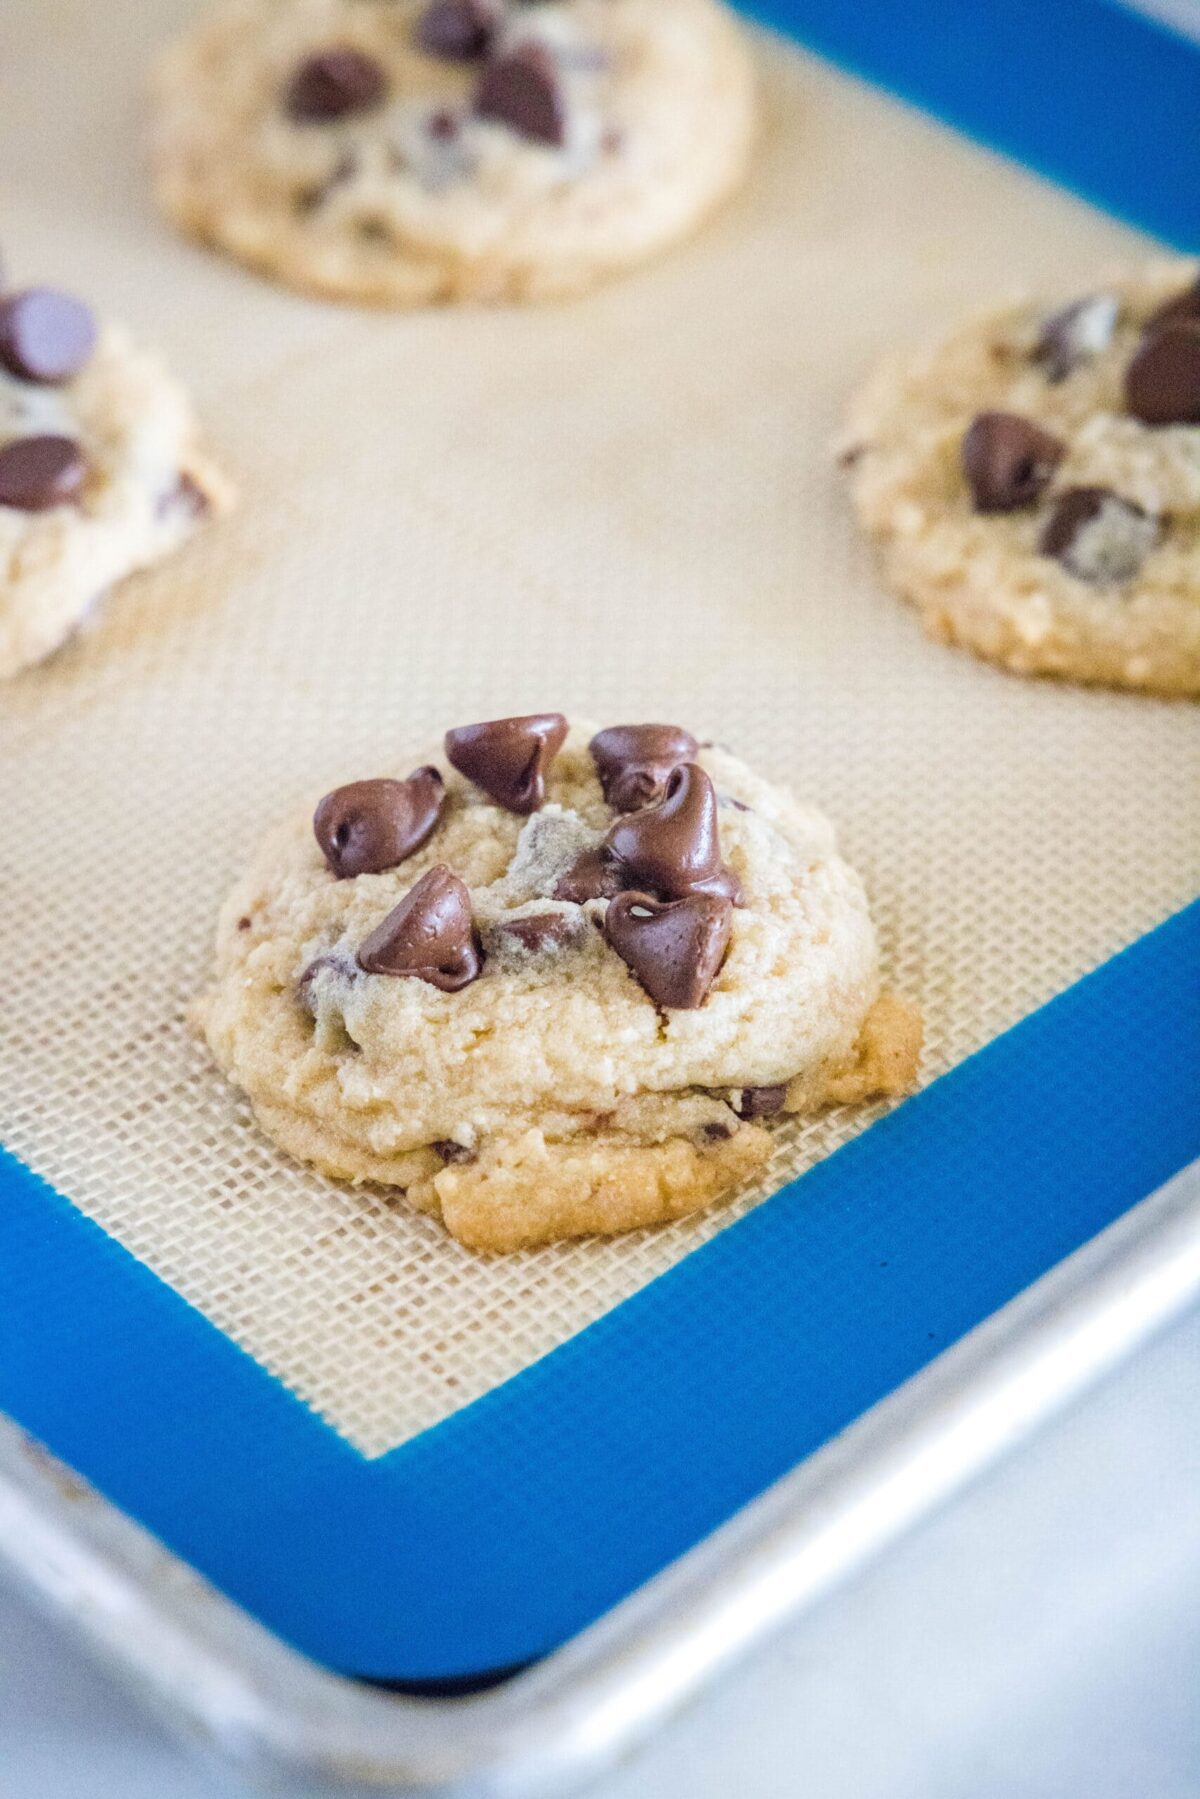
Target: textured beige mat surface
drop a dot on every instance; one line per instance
(624, 508)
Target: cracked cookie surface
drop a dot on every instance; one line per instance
(1032, 484)
(502, 1060)
(401, 152)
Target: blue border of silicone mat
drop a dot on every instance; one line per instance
(495, 1536)
(1099, 96)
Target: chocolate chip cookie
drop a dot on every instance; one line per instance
(1033, 484)
(100, 470)
(551, 982)
(420, 150)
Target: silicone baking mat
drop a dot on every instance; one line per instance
(623, 508)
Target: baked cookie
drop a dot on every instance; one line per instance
(100, 470)
(407, 151)
(1033, 484)
(552, 983)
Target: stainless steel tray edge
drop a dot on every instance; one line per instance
(240, 1692)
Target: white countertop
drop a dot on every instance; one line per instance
(1038, 1640)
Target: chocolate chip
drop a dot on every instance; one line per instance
(332, 962)
(372, 825)
(509, 757)
(334, 84)
(716, 1131)
(1076, 334)
(521, 90)
(429, 935)
(633, 761)
(539, 930)
(244, 923)
(1008, 461)
(673, 847)
(675, 949)
(1185, 305)
(451, 1151)
(594, 875)
(37, 473)
(456, 30)
(44, 335)
(760, 1102)
(1098, 536)
(1162, 383)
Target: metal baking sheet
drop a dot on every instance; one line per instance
(238, 1692)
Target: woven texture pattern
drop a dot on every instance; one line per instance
(625, 508)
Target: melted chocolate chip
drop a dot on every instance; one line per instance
(44, 335)
(634, 761)
(509, 757)
(1162, 383)
(761, 1102)
(37, 473)
(430, 935)
(332, 962)
(521, 90)
(594, 875)
(673, 847)
(456, 30)
(1098, 536)
(372, 825)
(333, 84)
(539, 930)
(675, 949)
(1008, 461)
(716, 1131)
(450, 1151)
(1074, 335)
